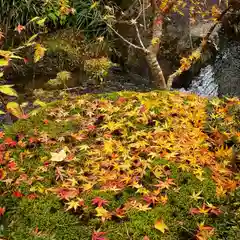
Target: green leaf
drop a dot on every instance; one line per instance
(52, 16)
(14, 109)
(8, 90)
(32, 38)
(41, 22)
(2, 112)
(1, 74)
(16, 57)
(34, 112)
(34, 19)
(39, 103)
(3, 62)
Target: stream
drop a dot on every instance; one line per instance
(222, 77)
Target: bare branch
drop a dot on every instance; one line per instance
(139, 37)
(144, 14)
(125, 40)
(129, 12)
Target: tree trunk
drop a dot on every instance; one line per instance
(157, 74)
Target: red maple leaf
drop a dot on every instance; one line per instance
(45, 121)
(46, 164)
(2, 147)
(121, 100)
(9, 141)
(2, 211)
(17, 194)
(99, 201)
(24, 116)
(99, 236)
(166, 184)
(159, 21)
(25, 60)
(2, 134)
(20, 28)
(216, 211)
(91, 127)
(150, 199)
(67, 194)
(32, 196)
(12, 165)
(194, 211)
(120, 212)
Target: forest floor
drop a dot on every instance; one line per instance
(126, 165)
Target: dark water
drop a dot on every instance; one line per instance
(222, 77)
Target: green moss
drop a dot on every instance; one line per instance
(48, 216)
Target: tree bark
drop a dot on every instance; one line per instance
(153, 48)
(157, 74)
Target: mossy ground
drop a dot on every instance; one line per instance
(151, 156)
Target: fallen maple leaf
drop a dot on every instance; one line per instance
(201, 210)
(161, 226)
(17, 194)
(120, 212)
(45, 121)
(2, 134)
(91, 127)
(2, 211)
(166, 184)
(73, 205)
(99, 201)
(12, 166)
(32, 196)
(59, 157)
(67, 194)
(99, 236)
(103, 213)
(2, 174)
(9, 141)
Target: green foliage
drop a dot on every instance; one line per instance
(15, 12)
(90, 17)
(97, 68)
(45, 219)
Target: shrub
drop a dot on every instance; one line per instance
(13, 13)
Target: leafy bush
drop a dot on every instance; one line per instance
(13, 13)
(97, 68)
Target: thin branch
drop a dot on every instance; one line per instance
(139, 37)
(125, 40)
(144, 14)
(125, 14)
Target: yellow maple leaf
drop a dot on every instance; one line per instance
(73, 205)
(155, 41)
(196, 196)
(103, 213)
(161, 226)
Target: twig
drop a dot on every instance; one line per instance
(139, 37)
(144, 15)
(128, 10)
(125, 40)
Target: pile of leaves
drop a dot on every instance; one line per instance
(158, 165)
